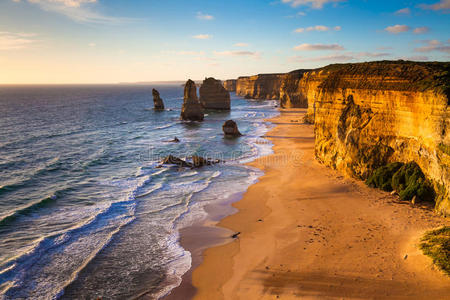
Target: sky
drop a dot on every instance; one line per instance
(113, 41)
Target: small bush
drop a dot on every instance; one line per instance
(382, 177)
(436, 244)
(407, 179)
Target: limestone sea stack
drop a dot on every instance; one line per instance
(213, 95)
(192, 110)
(157, 101)
(230, 129)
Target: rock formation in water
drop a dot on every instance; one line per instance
(230, 129)
(192, 110)
(262, 86)
(230, 85)
(213, 95)
(157, 101)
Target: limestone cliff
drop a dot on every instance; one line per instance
(262, 86)
(213, 95)
(370, 114)
(230, 85)
(294, 90)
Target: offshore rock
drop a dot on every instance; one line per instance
(230, 129)
(157, 101)
(213, 95)
(192, 110)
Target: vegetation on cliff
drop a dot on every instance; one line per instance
(415, 76)
(436, 244)
(407, 179)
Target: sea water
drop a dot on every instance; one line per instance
(85, 211)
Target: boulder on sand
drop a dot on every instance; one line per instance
(230, 129)
(213, 95)
(192, 110)
(157, 101)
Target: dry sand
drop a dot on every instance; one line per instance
(310, 233)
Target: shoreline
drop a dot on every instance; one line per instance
(307, 231)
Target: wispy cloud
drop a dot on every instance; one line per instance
(443, 5)
(403, 11)
(416, 58)
(396, 29)
(78, 10)
(237, 53)
(14, 41)
(313, 47)
(317, 28)
(316, 4)
(241, 45)
(434, 45)
(205, 17)
(202, 36)
(331, 58)
(420, 30)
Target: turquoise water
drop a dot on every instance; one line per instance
(84, 212)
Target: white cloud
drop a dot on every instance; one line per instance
(397, 29)
(420, 30)
(317, 4)
(77, 10)
(416, 58)
(241, 45)
(313, 47)
(403, 11)
(434, 45)
(316, 28)
(202, 36)
(13, 41)
(237, 53)
(206, 17)
(441, 5)
(332, 58)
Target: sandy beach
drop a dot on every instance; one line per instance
(308, 232)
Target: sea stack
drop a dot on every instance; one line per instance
(230, 129)
(158, 102)
(213, 95)
(192, 110)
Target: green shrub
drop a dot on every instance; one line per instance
(436, 244)
(407, 179)
(382, 177)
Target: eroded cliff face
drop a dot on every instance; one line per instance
(230, 85)
(368, 115)
(262, 86)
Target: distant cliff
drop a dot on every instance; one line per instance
(369, 114)
(230, 85)
(262, 86)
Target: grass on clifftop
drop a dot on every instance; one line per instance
(436, 244)
(407, 179)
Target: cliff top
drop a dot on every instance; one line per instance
(396, 75)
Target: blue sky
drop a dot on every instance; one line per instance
(108, 41)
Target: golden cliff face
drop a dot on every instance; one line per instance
(369, 116)
(230, 85)
(263, 86)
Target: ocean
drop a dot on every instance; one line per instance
(85, 211)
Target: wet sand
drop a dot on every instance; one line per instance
(308, 232)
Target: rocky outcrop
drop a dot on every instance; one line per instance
(230, 85)
(157, 101)
(192, 110)
(230, 129)
(213, 95)
(262, 86)
(370, 114)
